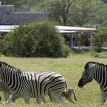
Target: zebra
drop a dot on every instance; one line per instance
(33, 84)
(97, 71)
(66, 94)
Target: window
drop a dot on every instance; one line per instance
(7, 13)
(7, 21)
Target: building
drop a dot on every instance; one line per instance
(8, 16)
(72, 35)
(10, 19)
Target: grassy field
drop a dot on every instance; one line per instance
(71, 68)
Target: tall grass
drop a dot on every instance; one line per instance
(71, 68)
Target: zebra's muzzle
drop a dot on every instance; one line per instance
(80, 83)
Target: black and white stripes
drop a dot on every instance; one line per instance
(97, 71)
(32, 84)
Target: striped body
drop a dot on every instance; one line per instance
(67, 94)
(32, 84)
(97, 71)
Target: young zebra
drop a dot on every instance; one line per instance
(67, 94)
(35, 85)
(97, 71)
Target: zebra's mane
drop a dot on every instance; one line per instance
(14, 69)
(97, 63)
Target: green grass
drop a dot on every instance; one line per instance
(71, 68)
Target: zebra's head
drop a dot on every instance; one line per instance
(88, 74)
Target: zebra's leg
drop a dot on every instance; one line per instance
(12, 98)
(6, 96)
(40, 100)
(56, 98)
(50, 97)
(53, 99)
(61, 98)
(44, 100)
(26, 98)
(103, 97)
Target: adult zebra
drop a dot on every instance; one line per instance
(31, 84)
(97, 71)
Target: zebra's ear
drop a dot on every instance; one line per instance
(92, 66)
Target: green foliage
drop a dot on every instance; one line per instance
(40, 39)
(1, 46)
(72, 12)
(78, 13)
(100, 39)
(66, 12)
(95, 54)
(16, 3)
(83, 12)
(101, 14)
(60, 11)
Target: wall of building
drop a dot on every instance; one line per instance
(28, 17)
(8, 16)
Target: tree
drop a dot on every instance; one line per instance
(83, 12)
(21, 5)
(60, 10)
(101, 14)
(16, 3)
(72, 12)
(100, 39)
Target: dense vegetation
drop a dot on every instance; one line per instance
(67, 12)
(39, 39)
(23, 42)
(99, 40)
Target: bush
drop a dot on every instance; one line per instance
(40, 39)
(1, 46)
(100, 39)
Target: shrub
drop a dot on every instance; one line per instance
(39, 39)
(100, 39)
(1, 46)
